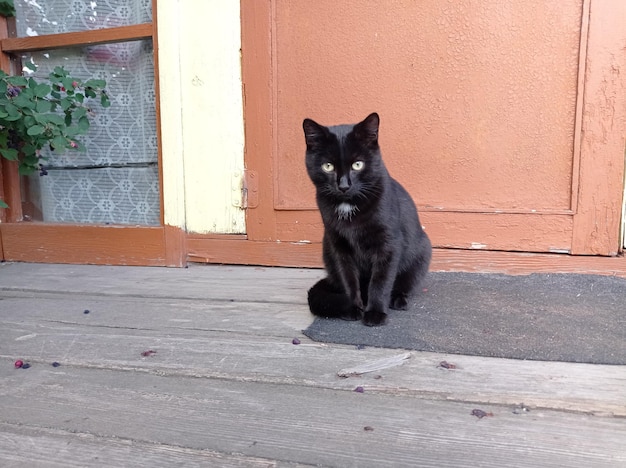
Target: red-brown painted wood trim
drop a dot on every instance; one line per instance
(77, 39)
(600, 190)
(88, 244)
(293, 254)
(256, 67)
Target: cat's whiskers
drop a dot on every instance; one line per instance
(367, 191)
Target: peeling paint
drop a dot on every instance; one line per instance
(301, 242)
(478, 245)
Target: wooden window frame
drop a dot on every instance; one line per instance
(77, 243)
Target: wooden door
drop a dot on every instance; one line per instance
(504, 119)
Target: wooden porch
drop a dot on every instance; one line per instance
(220, 382)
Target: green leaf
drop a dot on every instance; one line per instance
(59, 142)
(95, 83)
(80, 112)
(90, 93)
(72, 131)
(30, 120)
(83, 124)
(9, 153)
(3, 204)
(104, 100)
(17, 80)
(11, 109)
(67, 83)
(36, 130)
(43, 106)
(23, 101)
(59, 72)
(42, 90)
(56, 119)
(30, 160)
(7, 9)
(30, 65)
(29, 149)
(66, 103)
(26, 170)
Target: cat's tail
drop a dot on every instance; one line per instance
(326, 300)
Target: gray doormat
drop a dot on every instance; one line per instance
(548, 317)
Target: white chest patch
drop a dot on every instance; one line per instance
(346, 211)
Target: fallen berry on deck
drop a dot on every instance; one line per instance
(480, 413)
(447, 365)
(19, 363)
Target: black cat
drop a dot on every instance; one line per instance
(375, 250)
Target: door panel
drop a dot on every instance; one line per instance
(486, 114)
(477, 99)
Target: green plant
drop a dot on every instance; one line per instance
(44, 114)
(7, 8)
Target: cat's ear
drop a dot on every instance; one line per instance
(367, 131)
(314, 134)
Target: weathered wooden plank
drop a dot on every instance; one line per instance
(171, 315)
(34, 447)
(269, 356)
(301, 424)
(196, 282)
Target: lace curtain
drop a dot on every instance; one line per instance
(116, 180)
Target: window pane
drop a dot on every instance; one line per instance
(36, 18)
(116, 179)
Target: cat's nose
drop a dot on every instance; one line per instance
(344, 184)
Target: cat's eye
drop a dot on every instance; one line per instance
(358, 165)
(328, 167)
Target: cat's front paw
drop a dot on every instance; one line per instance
(399, 302)
(374, 318)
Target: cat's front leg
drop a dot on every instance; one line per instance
(350, 280)
(343, 273)
(379, 291)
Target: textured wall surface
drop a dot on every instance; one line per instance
(477, 98)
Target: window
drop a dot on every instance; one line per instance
(116, 181)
